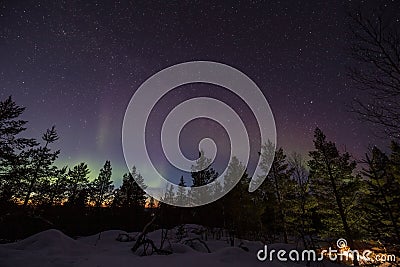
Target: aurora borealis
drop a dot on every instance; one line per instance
(76, 64)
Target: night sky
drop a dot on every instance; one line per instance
(76, 64)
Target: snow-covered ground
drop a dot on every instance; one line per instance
(53, 248)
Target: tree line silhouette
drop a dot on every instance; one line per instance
(329, 195)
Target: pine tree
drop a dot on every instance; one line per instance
(101, 188)
(11, 147)
(131, 195)
(40, 167)
(78, 182)
(335, 188)
(44, 188)
(58, 187)
(10, 128)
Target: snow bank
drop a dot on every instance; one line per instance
(53, 248)
(51, 242)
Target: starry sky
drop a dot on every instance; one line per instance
(76, 64)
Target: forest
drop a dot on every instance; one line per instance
(324, 195)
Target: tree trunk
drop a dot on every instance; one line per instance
(342, 214)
